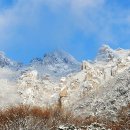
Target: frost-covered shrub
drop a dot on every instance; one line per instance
(68, 127)
(96, 126)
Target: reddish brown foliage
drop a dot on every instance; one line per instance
(40, 119)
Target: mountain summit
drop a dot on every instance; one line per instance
(57, 63)
(59, 56)
(6, 62)
(106, 54)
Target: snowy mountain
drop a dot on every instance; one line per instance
(57, 64)
(8, 68)
(107, 54)
(102, 87)
(99, 88)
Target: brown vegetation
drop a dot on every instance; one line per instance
(35, 118)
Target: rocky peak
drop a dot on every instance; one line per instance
(106, 54)
(59, 56)
(6, 62)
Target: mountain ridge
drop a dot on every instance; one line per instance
(93, 88)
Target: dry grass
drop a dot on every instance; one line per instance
(36, 118)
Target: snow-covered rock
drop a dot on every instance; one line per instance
(101, 88)
(106, 54)
(34, 91)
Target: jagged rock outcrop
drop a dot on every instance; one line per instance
(36, 92)
(92, 90)
(106, 54)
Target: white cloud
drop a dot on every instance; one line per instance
(24, 9)
(90, 16)
(25, 12)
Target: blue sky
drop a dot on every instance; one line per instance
(30, 28)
